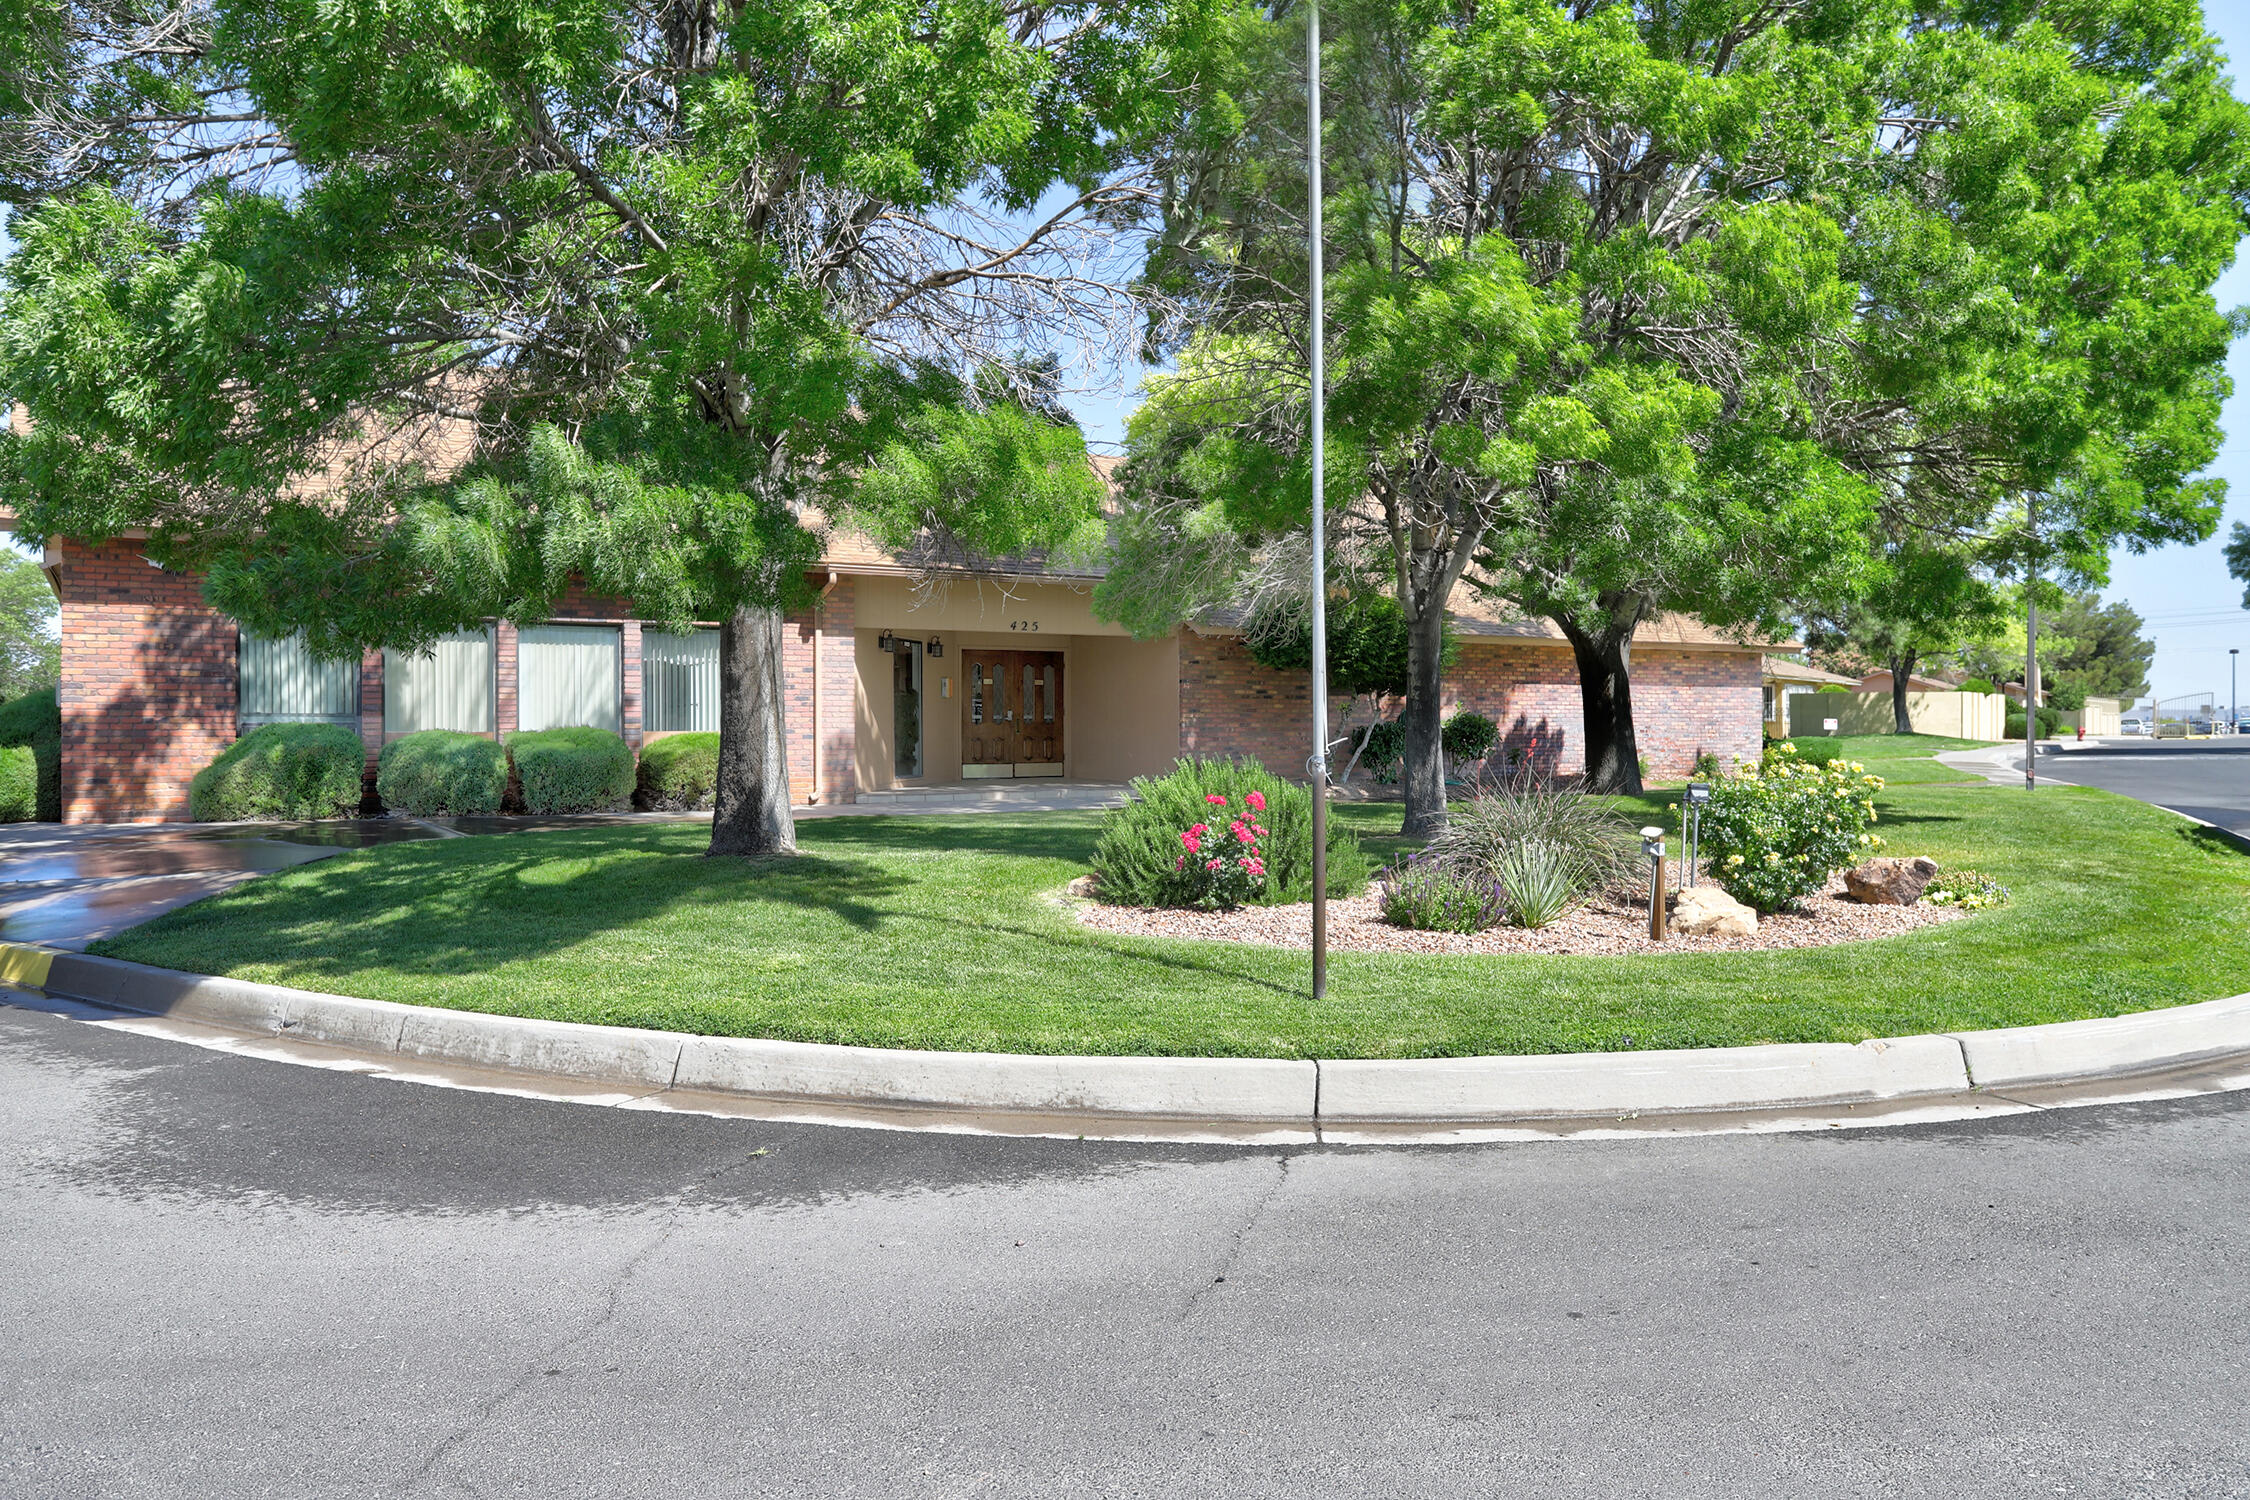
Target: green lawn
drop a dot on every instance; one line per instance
(934, 932)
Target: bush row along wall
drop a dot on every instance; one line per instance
(149, 688)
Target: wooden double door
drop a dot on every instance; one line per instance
(1012, 713)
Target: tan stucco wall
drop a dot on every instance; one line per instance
(993, 606)
(1121, 701)
(1124, 707)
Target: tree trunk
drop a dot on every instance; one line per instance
(1422, 772)
(1605, 690)
(1902, 672)
(752, 813)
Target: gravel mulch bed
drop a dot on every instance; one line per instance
(1608, 926)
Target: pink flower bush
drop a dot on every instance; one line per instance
(1223, 868)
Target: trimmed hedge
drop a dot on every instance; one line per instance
(19, 784)
(435, 773)
(679, 773)
(34, 720)
(282, 771)
(571, 770)
(1137, 854)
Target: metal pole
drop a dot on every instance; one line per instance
(1318, 765)
(2031, 655)
(2234, 701)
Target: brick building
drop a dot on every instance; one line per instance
(891, 682)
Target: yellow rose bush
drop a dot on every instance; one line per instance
(1774, 833)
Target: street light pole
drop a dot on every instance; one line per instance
(2234, 700)
(1317, 766)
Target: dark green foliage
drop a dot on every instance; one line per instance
(2066, 697)
(1977, 685)
(282, 771)
(1138, 853)
(1815, 752)
(2096, 648)
(2050, 723)
(1385, 742)
(1427, 894)
(19, 784)
(36, 720)
(30, 649)
(1469, 735)
(1366, 645)
(442, 773)
(678, 772)
(571, 770)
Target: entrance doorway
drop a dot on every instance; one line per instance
(1012, 714)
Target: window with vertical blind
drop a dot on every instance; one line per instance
(680, 680)
(282, 683)
(569, 675)
(448, 688)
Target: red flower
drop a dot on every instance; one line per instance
(1257, 801)
(1215, 799)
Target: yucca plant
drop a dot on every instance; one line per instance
(1541, 883)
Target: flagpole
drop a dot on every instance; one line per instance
(1318, 765)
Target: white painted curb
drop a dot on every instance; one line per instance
(2138, 1043)
(1683, 1081)
(1221, 1091)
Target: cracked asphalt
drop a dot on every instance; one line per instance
(230, 1277)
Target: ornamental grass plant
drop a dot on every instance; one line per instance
(1774, 834)
(1425, 893)
(1147, 853)
(1578, 836)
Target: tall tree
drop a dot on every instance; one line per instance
(30, 650)
(1643, 308)
(2094, 648)
(395, 316)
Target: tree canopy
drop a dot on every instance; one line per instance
(395, 316)
(1690, 308)
(30, 650)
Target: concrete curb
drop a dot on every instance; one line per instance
(1232, 1092)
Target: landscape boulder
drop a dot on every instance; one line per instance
(1890, 882)
(1705, 910)
(1085, 887)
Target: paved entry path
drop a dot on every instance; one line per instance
(232, 1277)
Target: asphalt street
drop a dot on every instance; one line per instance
(233, 1277)
(2207, 779)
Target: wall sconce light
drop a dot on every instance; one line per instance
(886, 642)
(936, 647)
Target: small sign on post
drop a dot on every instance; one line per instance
(1828, 726)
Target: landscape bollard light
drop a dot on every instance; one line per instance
(1652, 845)
(1691, 826)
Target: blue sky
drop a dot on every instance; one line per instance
(2193, 608)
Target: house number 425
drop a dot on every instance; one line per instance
(1023, 624)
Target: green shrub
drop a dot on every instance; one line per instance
(19, 784)
(1468, 735)
(2050, 723)
(1965, 889)
(1812, 752)
(2012, 727)
(1977, 685)
(2064, 697)
(35, 720)
(1425, 893)
(679, 772)
(1588, 841)
(1774, 835)
(1833, 687)
(435, 773)
(1140, 854)
(571, 770)
(282, 771)
(1385, 747)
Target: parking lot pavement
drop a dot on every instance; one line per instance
(2207, 779)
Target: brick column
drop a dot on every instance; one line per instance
(504, 678)
(631, 714)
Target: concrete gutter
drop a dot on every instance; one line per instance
(1138, 1097)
